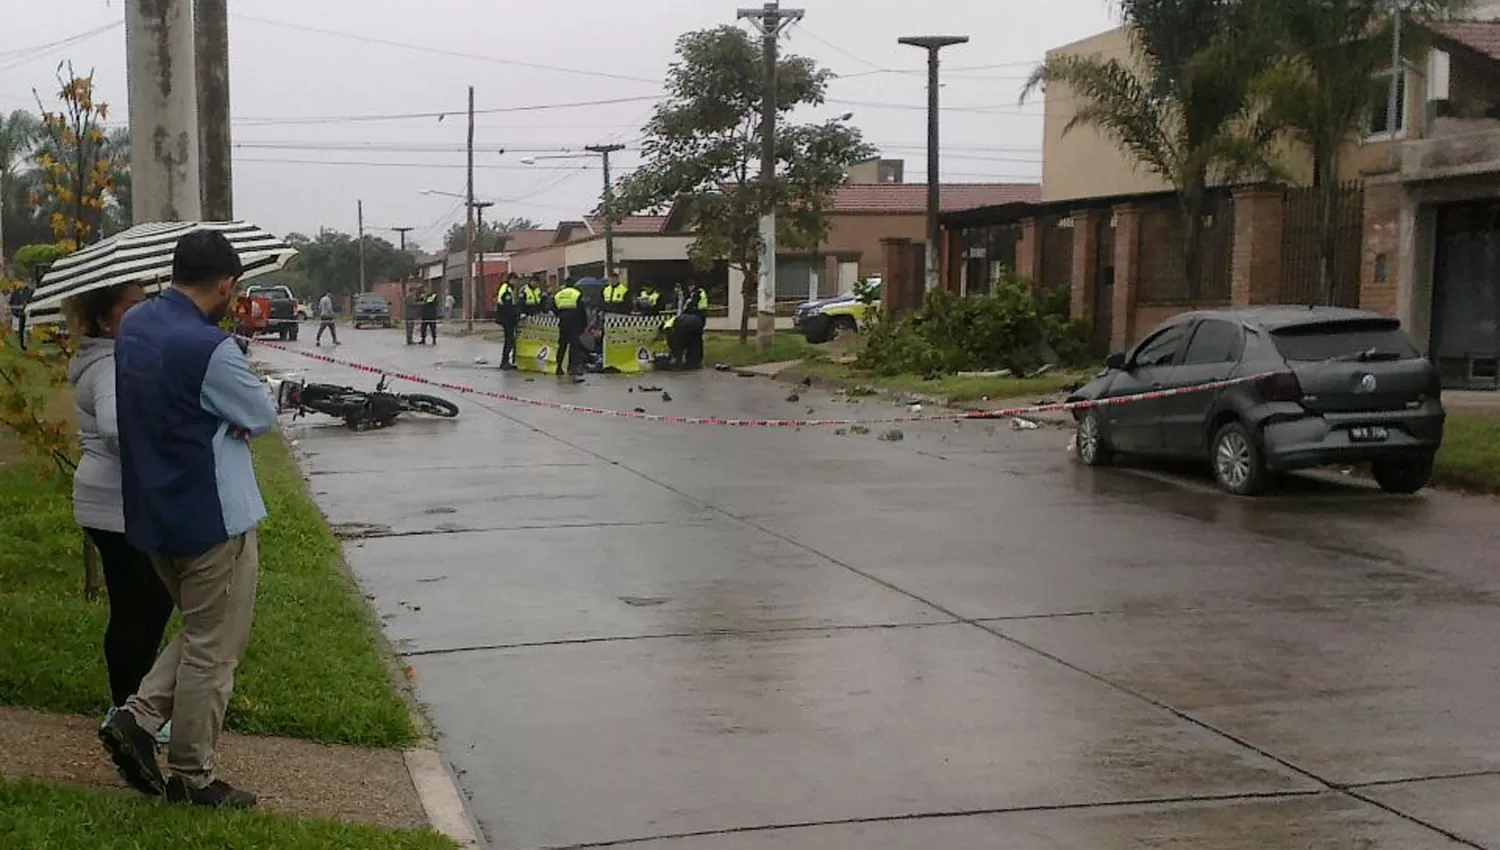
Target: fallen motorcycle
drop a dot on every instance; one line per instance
(359, 409)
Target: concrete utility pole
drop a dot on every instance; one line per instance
(361, 246)
(160, 66)
(469, 260)
(609, 205)
(933, 44)
(770, 20)
(402, 231)
(215, 170)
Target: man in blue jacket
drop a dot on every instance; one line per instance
(188, 404)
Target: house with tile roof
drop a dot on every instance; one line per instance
(1418, 223)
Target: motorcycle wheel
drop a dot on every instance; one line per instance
(431, 406)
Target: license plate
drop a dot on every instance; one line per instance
(1369, 434)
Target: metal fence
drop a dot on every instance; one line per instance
(1301, 251)
(1163, 272)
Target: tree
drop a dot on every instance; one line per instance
(76, 172)
(703, 143)
(492, 237)
(1327, 82)
(18, 134)
(1185, 107)
(329, 262)
(117, 212)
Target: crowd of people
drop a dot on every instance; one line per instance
(167, 404)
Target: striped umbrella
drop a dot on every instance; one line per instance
(143, 255)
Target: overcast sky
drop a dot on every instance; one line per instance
(296, 72)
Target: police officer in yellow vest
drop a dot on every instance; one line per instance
(531, 298)
(649, 301)
(572, 320)
(508, 316)
(616, 295)
(695, 300)
(431, 302)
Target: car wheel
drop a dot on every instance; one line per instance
(1093, 448)
(817, 330)
(843, 325)
(1239, 466)
(1404, 476)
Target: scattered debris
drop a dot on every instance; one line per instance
(1073, 445)
(441, 510)
(915, 408)
(793, 398)
(645, 601)
(811, 411)
(431, 580)
(577, 379)
(859, 392)
(895, 435)
(721, 367)
(640, 410)
(841, 432)
(480, 361)
(646, 389)
(995, 373)
(631, 390)
(1019, 424)
(858, 429)
(1042, 371)
(531, 380)
(807, 382)
(666, 396)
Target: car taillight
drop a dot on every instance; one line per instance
(1282, 386)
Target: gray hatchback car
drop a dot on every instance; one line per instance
(1330, 386)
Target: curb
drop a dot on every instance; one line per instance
(441, 798)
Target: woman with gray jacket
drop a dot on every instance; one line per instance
(139, 605)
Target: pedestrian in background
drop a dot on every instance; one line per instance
(188, 404)
(19, 298)
(139, 605)
(326, 319)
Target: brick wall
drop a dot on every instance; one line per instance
(1255, 264)
(1380, 261)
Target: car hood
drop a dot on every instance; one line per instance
(1095, 389)
(823, 303)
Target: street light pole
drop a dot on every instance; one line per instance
(770, 20)
(933, 45)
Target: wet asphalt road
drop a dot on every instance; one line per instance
(682, 638)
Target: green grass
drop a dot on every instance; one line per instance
(1470, 457)
(313, 669)
(786, 346)
(44, 817)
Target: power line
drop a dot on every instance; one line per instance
(998, 111)
(826, 43)
(403, 116)
(422, 48)
(380, 164)
(400, 147)
(15, 58)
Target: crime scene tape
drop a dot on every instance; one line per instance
(964, 416)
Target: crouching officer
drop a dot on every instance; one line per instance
(508, 316)
(572, 321)
(684, 333)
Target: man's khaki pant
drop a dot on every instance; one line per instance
(192, 679)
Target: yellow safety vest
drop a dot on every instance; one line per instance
(669, 324)
(567, 298)
(504, 297)
(430, 298)
(531, 295)
(615, 294)
(652, 297)
(702, 300)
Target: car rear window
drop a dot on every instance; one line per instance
(1336, 340)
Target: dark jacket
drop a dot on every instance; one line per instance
(182, 385)
(431, 303)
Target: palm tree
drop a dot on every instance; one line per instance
(1325, 85)
(18, 135)
(1184, 108)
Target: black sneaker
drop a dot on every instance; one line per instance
(133, 750)
(215, 795)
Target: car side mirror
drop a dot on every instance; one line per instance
(1115, 361)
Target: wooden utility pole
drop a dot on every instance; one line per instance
(609, 205)
(479, 208)
(469, 261)
(406, 279)
(933, 45)
(770, 20)
(361, 247)
(215, 169)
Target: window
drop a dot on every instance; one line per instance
(1213, 342)
(1360, 339)
(1161, 350)
(1379, 123)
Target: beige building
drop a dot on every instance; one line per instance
(1418, 225)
